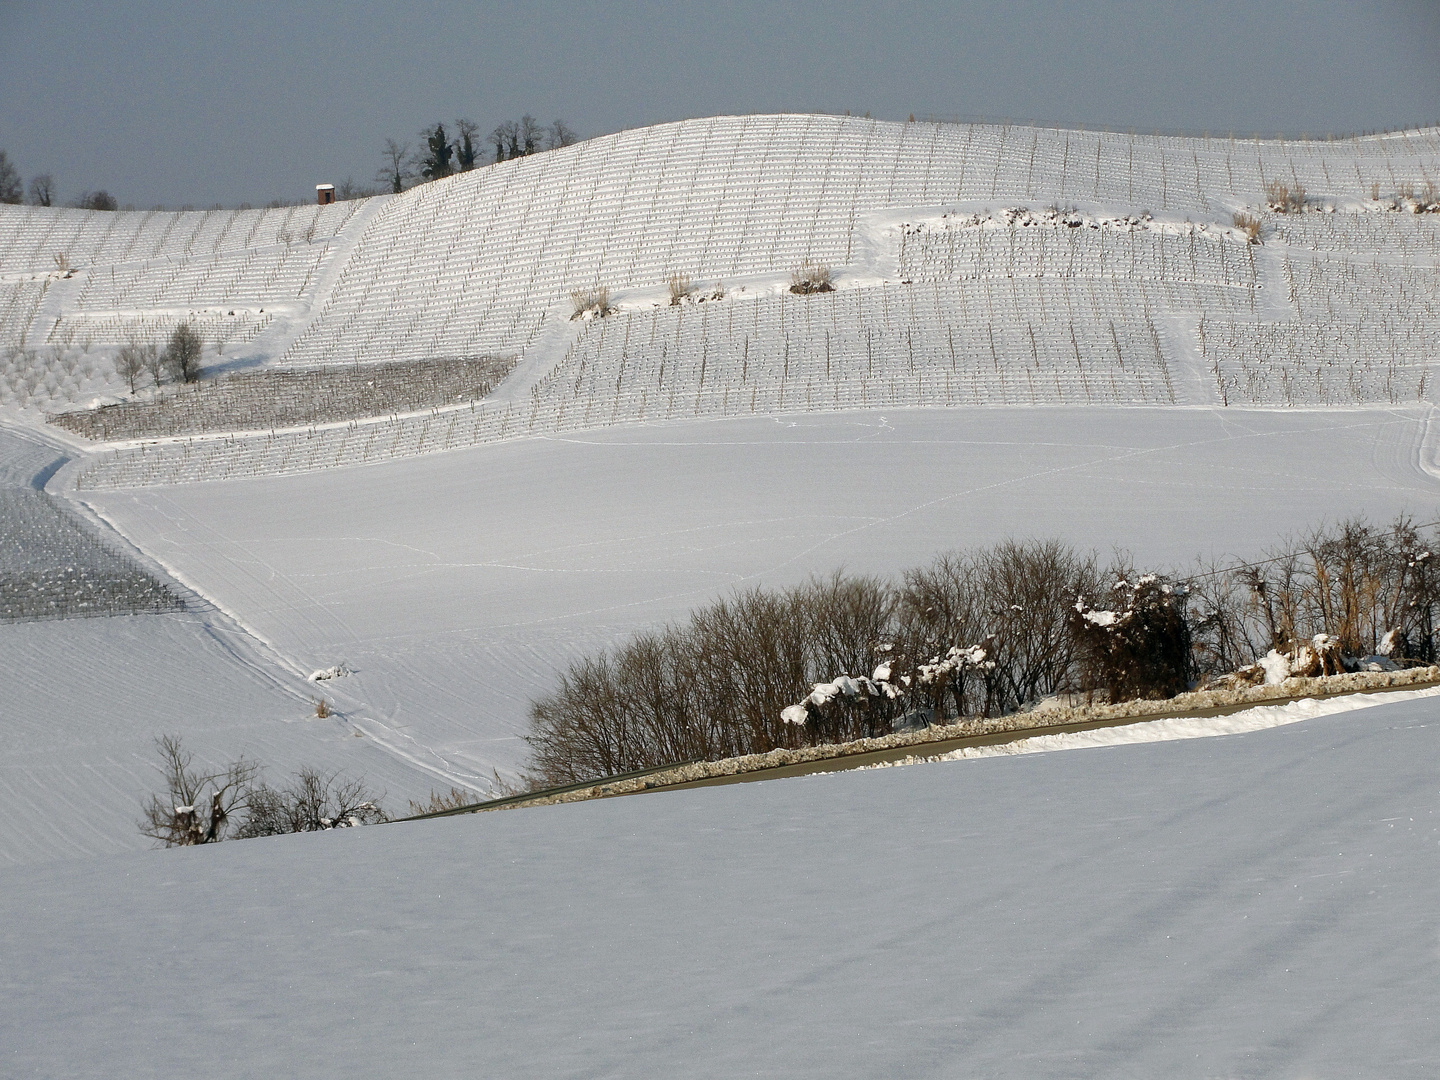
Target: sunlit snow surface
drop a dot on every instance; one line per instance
(1260, 905)
(457, 585)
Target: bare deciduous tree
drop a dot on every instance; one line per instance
(196, 807)
(11, 187)
(182, 353)
(133, 360)
(399, 168)
(466, 146)
(42, 190)
(558, 135)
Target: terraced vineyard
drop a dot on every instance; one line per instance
(969, 265)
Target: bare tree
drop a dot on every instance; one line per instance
(506, 140)
(466, 146)
(196, 807)
(399, 167)
(131, 362)
(531, 134)
(11, 187)
(42, 190)
(154, 361)
(182, 354)
(97, 200)
(558, 135)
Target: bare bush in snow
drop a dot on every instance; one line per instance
(1249, 224)
(196, 807)
(810, 277)
(680, 287)
(232, 803)
(1284, 198)
(591, 303)
(311, 802)
(439, 802)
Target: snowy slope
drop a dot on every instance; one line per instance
(1256, 905)
(457, 585)
(972, 264)
(1122, 369)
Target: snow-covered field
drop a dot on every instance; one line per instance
(1031, 333)
(456, 585)
(1259, 905)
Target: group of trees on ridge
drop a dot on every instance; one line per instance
(42, 190)
(439, 154)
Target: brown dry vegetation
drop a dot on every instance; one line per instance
(979, 633)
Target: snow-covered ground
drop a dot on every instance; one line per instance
(457, 585)
(1258, 905)
(1124, 369)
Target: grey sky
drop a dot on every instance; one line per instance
(199, 102)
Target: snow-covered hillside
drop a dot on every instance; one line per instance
(971, 265)
(1030, 332)
(1258, 905)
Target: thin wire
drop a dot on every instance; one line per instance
(1279, 558)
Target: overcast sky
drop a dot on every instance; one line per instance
(202, 102)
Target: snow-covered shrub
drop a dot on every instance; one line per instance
(1424, 200)
(810, 277)
(1015, 600)
(1140, 647)
(1284, 198)
(591, 303)
(981, 633)
(1326, 602)
(1249, 224)
(232, 803)
(680, 287)
(716, 685)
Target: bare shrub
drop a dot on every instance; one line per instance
(715, 686)
(1284, 198)
(203, 807)
(312, 802)
(322, 709)
(196, 807)
(981, 633)
(1249, 224)
(454, 799)
(721, 685)
(810, 277)
(591, 303)
(680, 288)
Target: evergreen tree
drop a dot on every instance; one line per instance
(437, 161)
